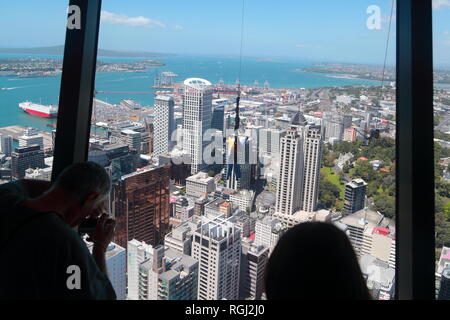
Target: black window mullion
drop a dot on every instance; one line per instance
(77, 88)
(415, 152)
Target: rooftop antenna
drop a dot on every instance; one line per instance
(369, 134)
(234, 166)
(387, 48)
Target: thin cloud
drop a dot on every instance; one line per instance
(113, 18)
(439, 4)
(178, 27)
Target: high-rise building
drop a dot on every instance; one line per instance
(31, 137)
(132, 139)
(137, 252)
(312, 161)
(354, 198)
(347, 120)
(141, 205)
(6, 143)
(168, 275)
(371, 233)
(289, 195)
(116, 264)
(164, 125)
(218, 117)
(217, 247)
(269, 142)
(241, 176)
(268, 231)
(197, 105)
(333, 129)
(179, 239)
(299, 170)
(24, 158)
(253, 264)
(124, 165)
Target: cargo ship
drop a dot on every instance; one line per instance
(39, 110)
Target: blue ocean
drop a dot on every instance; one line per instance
(281, 73)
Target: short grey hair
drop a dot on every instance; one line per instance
(83, 178)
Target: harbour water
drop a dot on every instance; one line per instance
(45, 90)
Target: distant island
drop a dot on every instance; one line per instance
(366, 72)
(40, 67)
(59, 50)
(352, 71)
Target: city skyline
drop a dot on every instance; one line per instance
(313, 142)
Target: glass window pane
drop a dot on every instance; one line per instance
(32, 45)
(316, 138)
(441, 46)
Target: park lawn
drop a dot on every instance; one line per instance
(331, 176)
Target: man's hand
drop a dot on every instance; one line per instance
(104, 232)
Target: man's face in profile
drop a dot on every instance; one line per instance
(91, 207)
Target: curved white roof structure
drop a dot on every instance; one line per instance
(197, 83)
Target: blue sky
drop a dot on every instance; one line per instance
(325, 30)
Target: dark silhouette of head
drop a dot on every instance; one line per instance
(314, 261)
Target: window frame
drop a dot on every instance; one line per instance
(415, 192)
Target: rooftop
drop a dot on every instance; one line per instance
(367, 218)
(197, 83)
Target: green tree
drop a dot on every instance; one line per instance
(328, 160)
(364, 170)
(328, 193)
(447, 211)
(385, 204)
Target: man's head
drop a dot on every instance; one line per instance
(87, 185)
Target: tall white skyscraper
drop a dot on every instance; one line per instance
(164, 125)
(217, 247)
(300, 160)
(313, 158)
(290, 180)
(197, 112)
(116, 262)
(138, 252)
